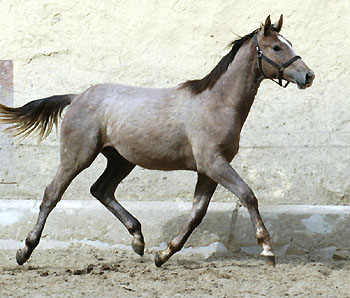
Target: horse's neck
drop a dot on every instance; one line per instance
(239, 84)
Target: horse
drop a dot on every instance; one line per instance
(193, 126)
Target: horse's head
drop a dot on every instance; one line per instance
(277, 59)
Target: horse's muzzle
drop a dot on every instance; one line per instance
(305, 81)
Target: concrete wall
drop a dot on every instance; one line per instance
(295, 144)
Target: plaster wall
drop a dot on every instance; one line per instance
(295, 145)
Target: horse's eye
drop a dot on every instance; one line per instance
(277, 48)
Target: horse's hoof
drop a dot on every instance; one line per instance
(270, 260)
(20, 258)
(138, 247)
(158, 260)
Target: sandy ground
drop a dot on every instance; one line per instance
(83, 271)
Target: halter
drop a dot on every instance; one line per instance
(280, 67)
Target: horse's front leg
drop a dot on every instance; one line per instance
(204, 190)
(221, 171)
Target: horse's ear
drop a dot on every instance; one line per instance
(267, 25)
(278, 26)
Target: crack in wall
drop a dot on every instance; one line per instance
(44, 55)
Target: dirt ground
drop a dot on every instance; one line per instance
(83, 271)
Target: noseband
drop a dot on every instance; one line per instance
(280, 67)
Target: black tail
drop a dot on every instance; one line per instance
(36, 116)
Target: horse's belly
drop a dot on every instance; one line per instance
(164, 163)
(158, 156)
(151, 140)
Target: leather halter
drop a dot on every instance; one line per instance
(280, 67)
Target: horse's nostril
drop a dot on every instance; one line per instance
(309, 77)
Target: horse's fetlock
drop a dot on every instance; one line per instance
(262, 236)
(174, 246)
(135, 228)
(32, 241)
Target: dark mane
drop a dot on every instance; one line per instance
(208, 82)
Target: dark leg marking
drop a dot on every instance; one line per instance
(103, 189)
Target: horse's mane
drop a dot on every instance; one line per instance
(208, 82)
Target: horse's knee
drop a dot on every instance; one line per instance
(248, 199)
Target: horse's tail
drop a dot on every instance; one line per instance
(36, 116)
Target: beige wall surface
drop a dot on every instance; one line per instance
(295, 145)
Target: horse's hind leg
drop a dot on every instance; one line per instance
(78, 157)
(103, 189)
(204, 190)
(52, 196)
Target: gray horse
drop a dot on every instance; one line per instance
(194, 126)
